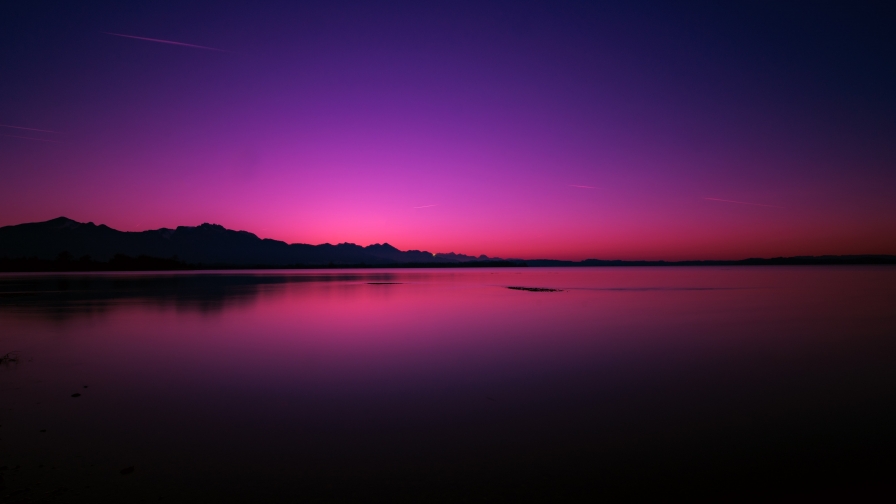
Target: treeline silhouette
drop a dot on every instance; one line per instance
(65, 262)
(120, 262)
(825, 260)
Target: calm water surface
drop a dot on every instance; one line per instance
(343, 385)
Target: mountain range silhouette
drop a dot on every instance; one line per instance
(63, 244)
(205, 244)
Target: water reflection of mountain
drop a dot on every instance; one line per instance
(61, 296)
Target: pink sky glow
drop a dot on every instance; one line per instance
(606, 135)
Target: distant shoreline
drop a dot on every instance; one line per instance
(65, 245)
(147, 263)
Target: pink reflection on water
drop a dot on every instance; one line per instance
(454, 325)
(388, 372)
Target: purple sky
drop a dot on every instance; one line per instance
(512, 129)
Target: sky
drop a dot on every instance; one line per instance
(567, 130)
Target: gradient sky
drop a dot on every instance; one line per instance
(515, 129)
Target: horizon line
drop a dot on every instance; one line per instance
(476, 256)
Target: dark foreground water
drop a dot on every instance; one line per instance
(705, 383)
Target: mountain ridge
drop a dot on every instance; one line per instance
(57, 244)
(203, 244)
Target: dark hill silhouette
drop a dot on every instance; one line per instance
(66, 245)
(452, 257)
(205, 244)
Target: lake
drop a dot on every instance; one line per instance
(446, 384)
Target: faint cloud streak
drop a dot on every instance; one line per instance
(582, 186)
(171, 42)
(425, 206)
(742, 203)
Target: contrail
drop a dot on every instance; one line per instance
(30, 138)
(167, 42)
(582, 186)
(743, 202)
(29, 129)
(425, 206)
